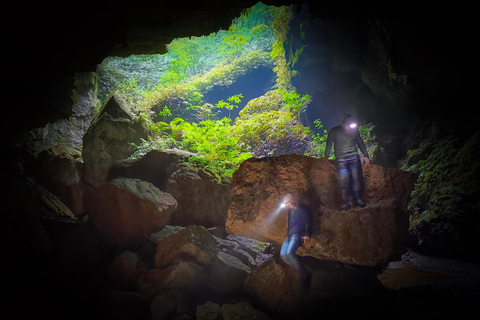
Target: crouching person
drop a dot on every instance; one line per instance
(299, 233)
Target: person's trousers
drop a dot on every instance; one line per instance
(288, 255)
(350, 174)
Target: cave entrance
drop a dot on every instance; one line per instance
(252, 85)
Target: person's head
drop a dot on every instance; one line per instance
(289, 200)
(349, 122)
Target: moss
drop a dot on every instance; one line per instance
(448, 184)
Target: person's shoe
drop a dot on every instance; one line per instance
(345, 207)
(360, 203)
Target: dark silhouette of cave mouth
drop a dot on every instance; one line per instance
(251, 85)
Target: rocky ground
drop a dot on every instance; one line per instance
(157, 239)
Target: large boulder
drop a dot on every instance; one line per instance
(370, 236)
(109, 138)
(202, 199)
(259, 184)
(128, 209)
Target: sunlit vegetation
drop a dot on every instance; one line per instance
(170, 100)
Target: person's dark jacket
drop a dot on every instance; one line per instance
(345, 143)
(300, 221)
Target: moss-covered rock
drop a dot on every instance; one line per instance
(445, 202)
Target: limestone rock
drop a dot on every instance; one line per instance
(154, 167)
(62, 175)
(190, 259)
(259, 184)
(249, 251)
(194, 241)
(370, 236)
(109, 138)
(202, 200)
(24, 195)
(128, 209)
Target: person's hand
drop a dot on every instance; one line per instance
(305, 240)
(367, 160)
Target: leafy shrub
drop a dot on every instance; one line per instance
(319, 141)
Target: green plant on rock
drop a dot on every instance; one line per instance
(296, 102)
(270, 132)
(280, 25)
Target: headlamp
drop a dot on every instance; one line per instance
(353, 125)
(287, 198)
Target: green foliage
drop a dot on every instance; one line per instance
(165, 112)
(228, 105)
(189, 93)
(216, 141)
(172, 105)
(319, 141)
(280, 25)
(366, 133)
(296, 102)
(270, 132)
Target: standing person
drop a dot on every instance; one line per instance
(299, 232)
(345, 139)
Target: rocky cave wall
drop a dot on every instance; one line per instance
(53, 52)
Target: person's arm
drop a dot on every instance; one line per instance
(363, 148)
(308, 225)
(328, 147)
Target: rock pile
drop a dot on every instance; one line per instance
(156, 238)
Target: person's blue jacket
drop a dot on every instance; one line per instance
(300, 221)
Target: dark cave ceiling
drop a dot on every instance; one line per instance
(48, 43)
